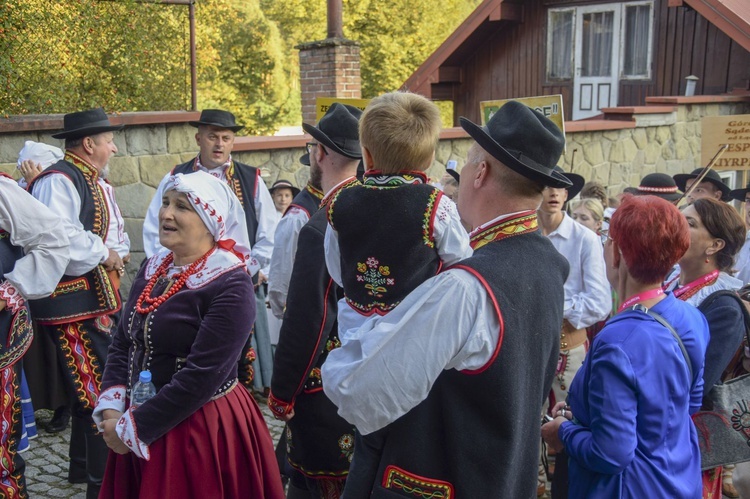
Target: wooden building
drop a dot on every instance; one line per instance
(597, 54)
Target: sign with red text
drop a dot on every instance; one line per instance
(734, 131)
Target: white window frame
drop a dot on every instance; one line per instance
(650, 54)
(621, 69)
(549, 42)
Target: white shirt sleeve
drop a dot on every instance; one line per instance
(593, 301)
(36, 229)
(389, 365)
(265, 210)
(451, 239)
(151, 223)
(333, 255)
(117, 239)
(87, 250)
(282, 262)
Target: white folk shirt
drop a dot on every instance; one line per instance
(36, 229)
(742, 262)
(588, 298)
(87, 250)
(451, 243)
(265, 211)
(117, 239)
(388, 366)
(282, 262)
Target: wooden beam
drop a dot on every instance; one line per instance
(450, 74)
(675, 3)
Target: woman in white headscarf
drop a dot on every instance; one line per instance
(190, 311)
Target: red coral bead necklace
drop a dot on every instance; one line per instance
(181, 279)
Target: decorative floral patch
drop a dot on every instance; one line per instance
(741, 419)
(346, 444)
(376, 277)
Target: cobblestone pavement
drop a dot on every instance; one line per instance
(47, 459)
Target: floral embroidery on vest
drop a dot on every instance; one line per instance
(346, 444)
(376, 277)
(91, 174)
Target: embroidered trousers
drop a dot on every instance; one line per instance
(12, 465)
(82, 349)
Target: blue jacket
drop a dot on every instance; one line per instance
(632, 400)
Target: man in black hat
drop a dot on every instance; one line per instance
(659, 185)
(215, 138)
(457, 372)
(710, 187)
(320, 442)
(338, 125)
(78, 314)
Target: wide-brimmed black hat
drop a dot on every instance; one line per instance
(453, 173)
(217, 118)
(713, 177)
(575, 179)
(660, 185)
(739, 194)
(284, 184)
(524, 140)
(85, 124)
(339, 130)
(305, 159)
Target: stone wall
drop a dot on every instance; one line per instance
(667, 142)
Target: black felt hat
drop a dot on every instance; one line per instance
(284, 184)
(85, 124)
(713, 177)
(339, 130)
(739, 194)
(217, 118)
(453, 173)
(660, 185)
(575, 179)
(524, 140)
(305, 159)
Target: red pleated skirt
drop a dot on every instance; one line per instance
(224, 450)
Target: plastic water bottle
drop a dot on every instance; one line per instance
(143, 390)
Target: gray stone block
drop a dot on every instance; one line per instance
(123, 171)
(181, 138)
(153, 168)
(12, 144)
(146, 140)
(134, 228)
(121, 142)
(133, 199)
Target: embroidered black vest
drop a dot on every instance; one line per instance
(385, 238)
(15, 329)
(91, 295)
(243, 180)
(477, 432)
(308, 200)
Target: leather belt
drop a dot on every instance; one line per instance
(570, 337)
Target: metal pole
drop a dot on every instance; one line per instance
(193, 61)
(335, 19)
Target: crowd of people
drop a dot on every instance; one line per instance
(410, 332)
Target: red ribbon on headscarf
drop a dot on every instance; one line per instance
(228, 245)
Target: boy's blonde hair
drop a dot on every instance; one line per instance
(401, 131)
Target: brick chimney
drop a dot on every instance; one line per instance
(330, 67)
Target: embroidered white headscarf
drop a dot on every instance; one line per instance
(219, 209)
(38, 152)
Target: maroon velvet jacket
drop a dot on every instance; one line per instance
(191, 344)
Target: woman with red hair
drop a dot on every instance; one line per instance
(627, 427)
